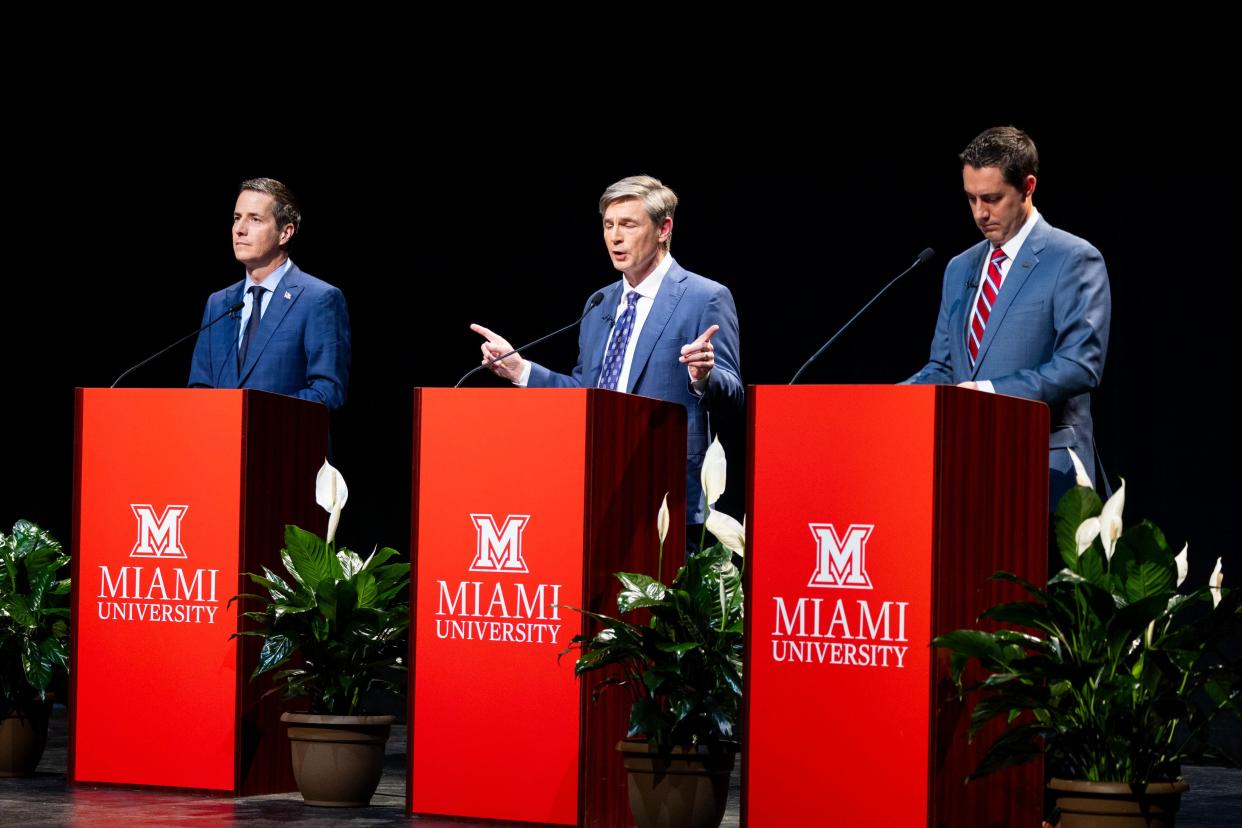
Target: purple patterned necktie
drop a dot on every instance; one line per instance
(615, 359)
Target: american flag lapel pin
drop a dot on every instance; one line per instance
(288, 295)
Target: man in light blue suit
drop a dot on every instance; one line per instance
(298, 341)
(661, 330)
(1025, 312)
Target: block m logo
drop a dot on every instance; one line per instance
(841, 561)
(499, 550)
(158, 537)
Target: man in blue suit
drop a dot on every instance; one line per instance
(292, 333)
(661, 330)
(1026, 311)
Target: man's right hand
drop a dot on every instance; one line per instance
(496, 345)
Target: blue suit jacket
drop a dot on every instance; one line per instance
(302, 347)
(684, 307)
(1046, 338)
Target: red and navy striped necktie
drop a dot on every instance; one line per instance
(983, 307)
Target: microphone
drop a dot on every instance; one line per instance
(922, 258)
(232, 310)
(595, 300)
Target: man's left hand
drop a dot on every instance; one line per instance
(699, 355)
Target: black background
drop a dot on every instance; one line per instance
(431, 214)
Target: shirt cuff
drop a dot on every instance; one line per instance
(698, 387)
(986, 386)
(524, 380)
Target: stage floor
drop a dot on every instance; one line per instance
(45, 800)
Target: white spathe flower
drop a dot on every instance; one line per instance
(712, 475)
(1183, 564)
(1215, 582)
(1080, 471)
(662, 519)
(1088, 530)
(331, 493)
(1110, 520)
(727, 530)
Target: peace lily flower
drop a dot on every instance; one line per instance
(1110, 520)
(1087, 532)
(712, 475)
(1215, 582)
(1080, 471)
(662, 519)
(727, 530)
(331, 493)
(1183, 564)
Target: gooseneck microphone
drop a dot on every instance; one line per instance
(922, 257)
(595, 300)
(232, 310)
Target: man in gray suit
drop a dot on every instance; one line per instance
(661, 331)
(1026, 311)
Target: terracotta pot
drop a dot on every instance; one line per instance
(337, 760)
(1117, 804)
(22, 740)
(687, 788)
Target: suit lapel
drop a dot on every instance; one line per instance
(224, 338)
(284, 298)
(666, 299)
(962, 311)
(1020, 269)
(593, 359)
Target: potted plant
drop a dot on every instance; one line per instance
(683, 670)
(330, 634)
(1109, 667)
(34, 630)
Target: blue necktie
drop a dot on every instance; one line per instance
(615, 360)
(252, 326)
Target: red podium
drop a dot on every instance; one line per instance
(525, 500)
(176, 493)
(876, 515)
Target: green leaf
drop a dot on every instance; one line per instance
(19, 610)
(1146, 567)
(276, 651)
(367, 589)
(678, 649)
(377, 558)
(1075, 506)
(350, 563)
(970, 643)
(37, 666)
(310, 560)
(55, 652)
(1013, 747)
(1027, 614)
(638, 590)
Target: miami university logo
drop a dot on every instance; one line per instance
(841, 562)
(158, 537)
(499, 549)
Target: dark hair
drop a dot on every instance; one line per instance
(1008, 148)
(286, 208)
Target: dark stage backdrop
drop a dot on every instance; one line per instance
(119, 228)
(114, 246)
